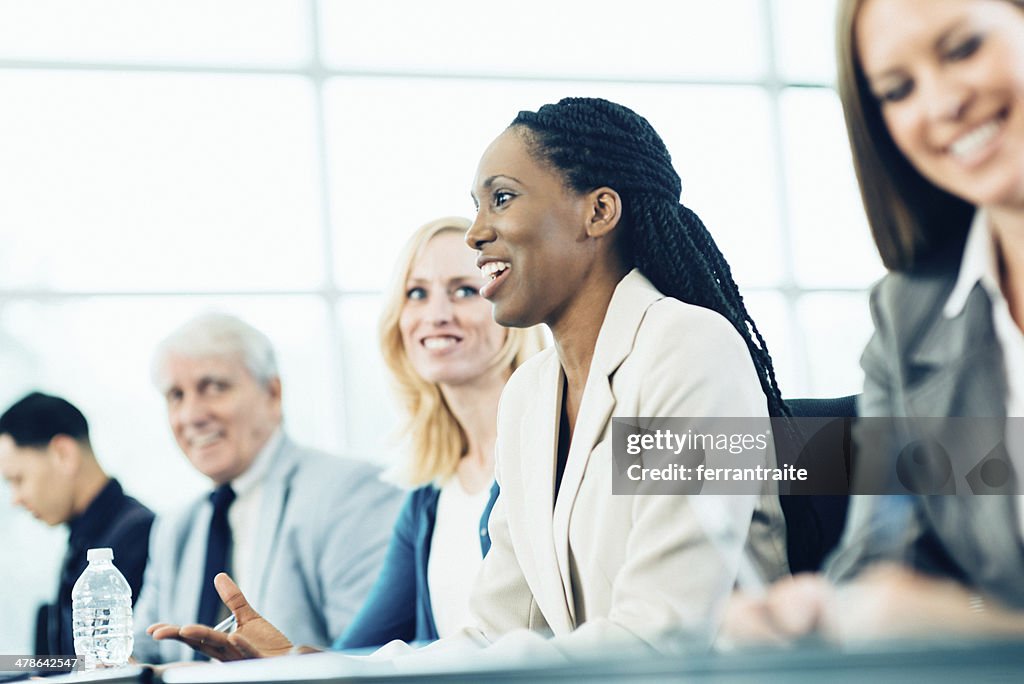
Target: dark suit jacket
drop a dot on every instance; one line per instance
(398, 606)
(921, 364)
(112, 520)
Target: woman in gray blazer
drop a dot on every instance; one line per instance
(933, 95)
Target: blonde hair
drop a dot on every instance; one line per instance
(912, 220)
(437, 438)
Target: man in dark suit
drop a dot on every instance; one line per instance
(48, 462)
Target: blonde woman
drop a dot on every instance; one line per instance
(449, 361)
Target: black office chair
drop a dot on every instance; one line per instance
(814, 522)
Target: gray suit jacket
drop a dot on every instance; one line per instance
(921, 364)
(324, 526)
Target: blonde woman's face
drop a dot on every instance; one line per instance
(446, 326)
(949, 78)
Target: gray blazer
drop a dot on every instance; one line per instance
(323, 530)
(921, 364)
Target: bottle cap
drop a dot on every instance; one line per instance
(103, 554)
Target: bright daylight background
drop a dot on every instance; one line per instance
(268, 158)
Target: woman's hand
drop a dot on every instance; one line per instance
(889, 601)
(253, 637)
(885, 602)
(792, 608)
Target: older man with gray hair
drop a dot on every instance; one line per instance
(301, 532)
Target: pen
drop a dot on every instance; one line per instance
(227, 625)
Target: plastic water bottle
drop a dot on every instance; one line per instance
(101, 613)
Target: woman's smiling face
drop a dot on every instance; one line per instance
(949, 79)
(447, 329)
(530, 234)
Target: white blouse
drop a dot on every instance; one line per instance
(455, 556)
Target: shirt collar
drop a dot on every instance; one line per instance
(98, 514)
(251, 478)
(978, 265)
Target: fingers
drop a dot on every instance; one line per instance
(201, 632)
(747, 623)
(206, 640)
(792, 608)
(796, 605)
(162, 630)
(197, 637)
(233, 598)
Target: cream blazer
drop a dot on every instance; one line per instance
(594, 567)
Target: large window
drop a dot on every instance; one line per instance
(269, 157)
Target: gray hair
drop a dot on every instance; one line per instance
(218, 335)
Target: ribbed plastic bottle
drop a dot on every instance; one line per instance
(101, 613)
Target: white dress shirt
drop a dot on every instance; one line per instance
(980, 265)
(243, 516)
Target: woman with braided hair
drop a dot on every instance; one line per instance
(579, 227)
(595, 143)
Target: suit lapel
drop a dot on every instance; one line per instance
(960, 365)
(957, 368)
(538, 444)
(596, 408)
(626, 311)
(276, 489)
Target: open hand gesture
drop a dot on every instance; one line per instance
(253, 637)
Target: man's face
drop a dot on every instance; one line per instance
(220, 415)
(39, 481)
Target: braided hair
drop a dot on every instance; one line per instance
(594, 143)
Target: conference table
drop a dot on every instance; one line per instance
(931, 662)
